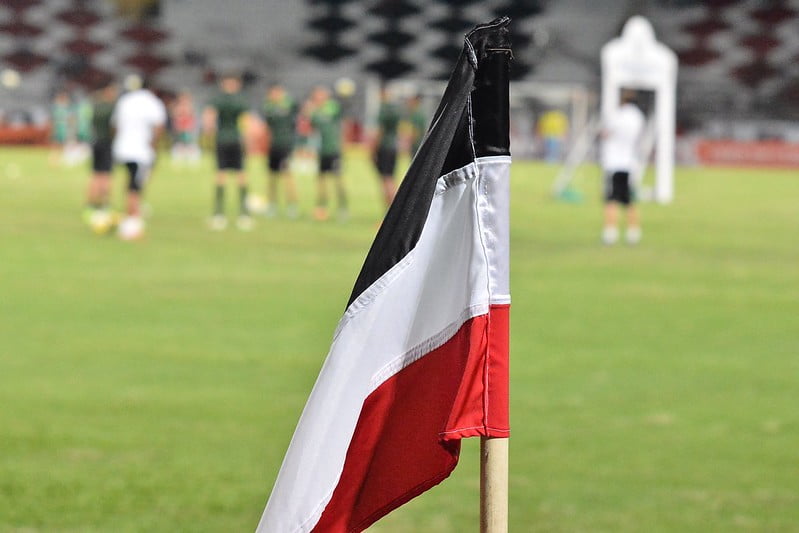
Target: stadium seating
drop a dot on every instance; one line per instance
(81, 42)
(739, 52)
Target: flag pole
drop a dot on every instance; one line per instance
(493, 485)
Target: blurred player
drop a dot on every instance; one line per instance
(325, 117)
(83, 123)
(620, 136)
(62, 121)
(280, 114)
(79, 116)
(384, 151)
(224, 113)
(184, 129)
(553, 127)
(139, 118)
(418, 123)
(102, 136)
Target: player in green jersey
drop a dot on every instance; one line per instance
(102, 135)
(384, 149)
(62, 125)
(325, 117)
(417, 121)
(223, 114)
(280, 115)
(83, 121)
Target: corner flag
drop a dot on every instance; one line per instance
(420, 358)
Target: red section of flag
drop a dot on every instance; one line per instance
(481, 408)
(408, 434)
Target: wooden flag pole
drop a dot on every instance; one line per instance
(493, 485)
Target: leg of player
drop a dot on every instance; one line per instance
(133, 204)
(341, 194)
(341, 191)
(292, 210)
(271, 193)
(325, 171)
(272, 177)
(99, 189)
(218, 220)
(103, 180)
(617, 192)
(96, 213)
(244, 222)
(132, 226)
(389, 189)
(386, 162)
(93, 195)
(320, 211)
(633, 234)
(610, 230)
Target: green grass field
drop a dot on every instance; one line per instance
(154, 386)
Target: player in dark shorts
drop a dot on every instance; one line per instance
(280, 114)
(384, 153)
(226, 108)
(618, 189)
(418, 123)
(622, 128)
(102, 136)
(325, 117)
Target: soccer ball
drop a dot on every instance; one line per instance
(103, 222)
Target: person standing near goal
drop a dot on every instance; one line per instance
(139, 118)
(621, 133)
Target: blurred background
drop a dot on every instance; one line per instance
(155, 385)
(737, 58)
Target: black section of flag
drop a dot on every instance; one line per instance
(448, 144)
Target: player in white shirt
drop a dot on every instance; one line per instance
(621, 133)
(139, 118)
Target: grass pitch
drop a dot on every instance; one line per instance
(154, 386)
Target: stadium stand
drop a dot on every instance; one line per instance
(736, 56)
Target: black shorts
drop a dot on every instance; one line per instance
(229, 156)
(618, 188)
(329, 163)
(137, 175)
(386, 161)
(102, 160)
(279, 159)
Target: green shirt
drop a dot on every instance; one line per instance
(61, 117)
(83, 112)
(281, 118)
(419, 123)
(229, 107)
(101, 121)
(388, 118)
(327, 122)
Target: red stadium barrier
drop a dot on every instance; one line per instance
(25, 135)
(775, 154)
